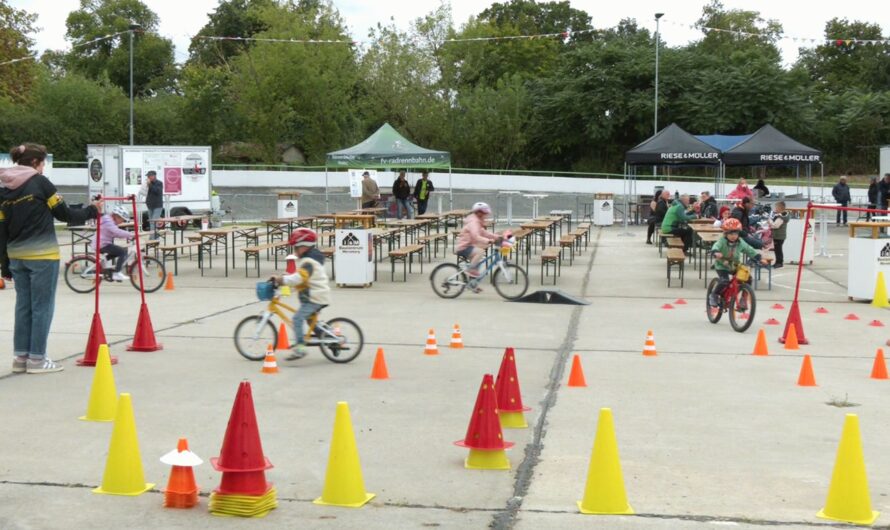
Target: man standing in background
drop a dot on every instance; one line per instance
(422, 190)
(841, 194)
(370, 191)
(154, 201)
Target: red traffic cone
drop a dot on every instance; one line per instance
(778, 306)
(772, 322)
(291, 264)
(795, 320)
(851, 316)
(876, 324)
(667, 306)
(509, 397)
(680, 301)
(484, 430)
(241, 458)
(96, 339)
(821, 310)
(144, 338)
(484, 438)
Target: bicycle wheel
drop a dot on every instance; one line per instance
(80, 274)
(252, 337)
(714, 312)
(350, 339)
(153, 274)
(448, 280)
(510, 284)
(741, 308)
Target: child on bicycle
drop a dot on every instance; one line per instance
(108, 231)
(310, 279)
(474, 238)
(729, 251)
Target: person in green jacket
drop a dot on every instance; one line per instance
(729, 251)
(675, 220)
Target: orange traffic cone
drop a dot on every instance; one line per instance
(431, 347)
(182, 491)
(169, 285)
(270, 365)
(576, 376)
(879, 370)
(649, 347)
(760, 347)
(379, 371)
(791, 338)
(283, 342)
(456, 341)
(806, 377)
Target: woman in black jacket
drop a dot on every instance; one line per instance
(658, 213)
(29, 252)
(401, 190)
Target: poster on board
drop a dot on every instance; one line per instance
(355, 181)
(173, 180)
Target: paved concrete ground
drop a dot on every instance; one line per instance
(708, 434)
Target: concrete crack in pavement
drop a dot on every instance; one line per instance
(506, 518)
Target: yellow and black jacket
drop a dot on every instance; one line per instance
(26, 219)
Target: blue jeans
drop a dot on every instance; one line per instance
(406, 205)
(303, 313)
(154, 213)
(35, 302)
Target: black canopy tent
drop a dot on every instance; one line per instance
(672, 146)
(771, 147)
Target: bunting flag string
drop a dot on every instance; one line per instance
(292, 41)
(849, 42)
(73, 47)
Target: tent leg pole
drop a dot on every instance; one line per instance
(627, 187)
(327, 207)
(450, 190)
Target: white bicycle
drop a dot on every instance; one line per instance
(80, 272)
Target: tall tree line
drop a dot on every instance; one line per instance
(573, 103)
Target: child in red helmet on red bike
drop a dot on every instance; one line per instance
(310, 279)
(729, 251)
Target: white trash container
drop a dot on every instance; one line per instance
(603, 209)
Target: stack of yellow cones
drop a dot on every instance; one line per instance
(880, 297)
(848, 498)
(604, 492)
(123, 469)
(102, 405)
(343, 484)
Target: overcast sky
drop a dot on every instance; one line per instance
(180, 19)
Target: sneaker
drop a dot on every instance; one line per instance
(19, 364)
(476, 289)
(120, 277)
(712, 300)
(297, 352)
(43, 365)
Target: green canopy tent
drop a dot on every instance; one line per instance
(387, 149)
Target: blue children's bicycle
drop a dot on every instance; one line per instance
(509, 280)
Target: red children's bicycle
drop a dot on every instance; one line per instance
(737, 299)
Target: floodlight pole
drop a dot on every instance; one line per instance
(133, 28)
(657, 46)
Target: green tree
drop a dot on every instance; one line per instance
(16, 78)
(99, 58)
(298, 93)
(231, 18)
(839, 65)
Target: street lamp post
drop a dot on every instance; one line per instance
(133, 28)
(657, 45)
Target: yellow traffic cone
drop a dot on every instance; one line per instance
(103, 394)
(123, 469)
(880, 297)
(343, 483)
(604, 492)
(848, 499)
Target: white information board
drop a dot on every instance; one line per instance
(353, 257)
(355, 181)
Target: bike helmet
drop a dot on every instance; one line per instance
(121, 212)
(302, 237)
(732, 225)
(482, 207)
